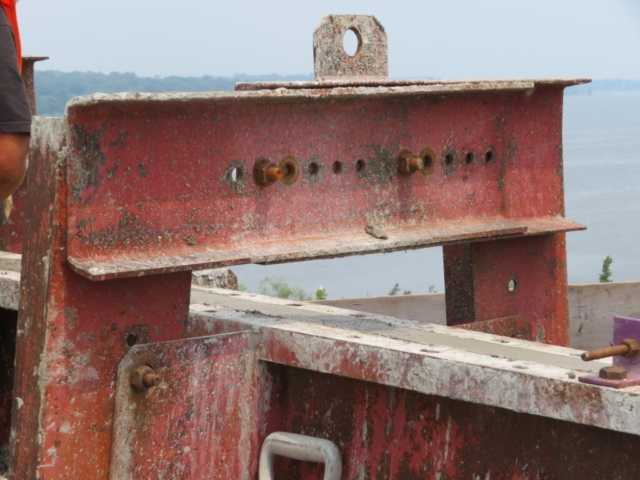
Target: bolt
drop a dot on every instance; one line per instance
(634, 348)
(613, 373)
(266, 172)
(144, 377)
(408, 163)
(628, 348)
(415, 164)
(274, 174)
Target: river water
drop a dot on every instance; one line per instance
(602, 191)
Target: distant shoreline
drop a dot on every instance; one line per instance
(54, 89)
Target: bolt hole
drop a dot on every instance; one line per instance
(314, 168)
(360, 165)
(132, 339)
(351, 42)
(488, 157)
(469, 158)
(428, 161)
(448, 159)
(286, 170)
(236, 174)
(337, 167)
(512, 285)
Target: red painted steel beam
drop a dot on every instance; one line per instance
(151, 186)
(72, 334)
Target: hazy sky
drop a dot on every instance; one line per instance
(428, 38)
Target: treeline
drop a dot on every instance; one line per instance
(54, 89)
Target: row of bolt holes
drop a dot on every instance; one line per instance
(314, 168)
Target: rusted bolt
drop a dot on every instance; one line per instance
(274, 174)
(613, 373)
(628, 348)
(266, 172)
(634, 348)
(144, 377)
(408, 163)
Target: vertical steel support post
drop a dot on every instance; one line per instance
(525, 277)
(73, 332)
(519, 276)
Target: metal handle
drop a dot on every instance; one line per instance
(300, 447)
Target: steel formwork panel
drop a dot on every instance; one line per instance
(396, 409)
(131, 185)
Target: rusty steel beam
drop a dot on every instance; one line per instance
(394, 408)
(485, 176)
(73, 332)
(129, 192)
(359, 164)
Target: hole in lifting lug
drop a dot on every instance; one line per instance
(360, 165)
(236, 174)
(352, 42)
(337, 167)
(512, 285)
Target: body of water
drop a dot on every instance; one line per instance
(602, 191)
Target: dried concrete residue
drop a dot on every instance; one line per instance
(376, 232)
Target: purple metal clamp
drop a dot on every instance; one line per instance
(625, 371)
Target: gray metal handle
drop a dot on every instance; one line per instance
(300, 447)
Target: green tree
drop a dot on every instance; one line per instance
(321, 293)
(396, 290)
(606, 271)
(278, 287)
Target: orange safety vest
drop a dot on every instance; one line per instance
(10, 8)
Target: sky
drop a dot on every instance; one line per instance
(427, 39)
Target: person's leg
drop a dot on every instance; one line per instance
(15, 114)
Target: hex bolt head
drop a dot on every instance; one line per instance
(144, 377)
(266, 172)
(634, 348)
(408, 163)
(613, 373)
